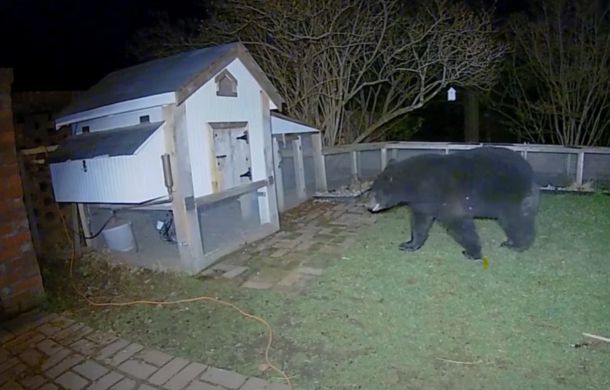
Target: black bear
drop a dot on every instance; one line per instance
(486, 182)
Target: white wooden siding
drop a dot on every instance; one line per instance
(130, 118)
(118, 108)
(121, 179)
(203, 107)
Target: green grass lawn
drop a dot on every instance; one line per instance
(383, 319)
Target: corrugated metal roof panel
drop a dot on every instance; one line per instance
(122, 141)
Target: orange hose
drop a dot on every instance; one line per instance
(178, 301)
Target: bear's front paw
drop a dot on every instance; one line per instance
(409, 246)
(472, 256)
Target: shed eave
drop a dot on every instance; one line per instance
(281, 124)
(117, 108)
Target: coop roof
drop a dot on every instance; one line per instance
(124, 141)
(181, 74)
(282, 124)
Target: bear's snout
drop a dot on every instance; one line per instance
(373, 205)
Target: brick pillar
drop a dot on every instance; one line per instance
(20, 280)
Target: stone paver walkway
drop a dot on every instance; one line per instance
(313, 236)
(49, 351)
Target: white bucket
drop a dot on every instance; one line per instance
(120, 237)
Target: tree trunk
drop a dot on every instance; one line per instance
(471, 116)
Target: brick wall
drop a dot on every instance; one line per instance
(20, 280)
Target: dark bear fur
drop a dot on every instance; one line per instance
(485, 182)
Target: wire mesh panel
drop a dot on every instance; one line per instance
(596, 169)
(229, 222)
(369, 164)
(308, 164)
(402, 154)
(555, 169)
(338, 170)
(154, 247)
(289, 181)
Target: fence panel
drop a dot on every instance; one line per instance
(554, 169)
(308, 165)
(338, 170)
(553, 165)
(369, 164)
(596, 169)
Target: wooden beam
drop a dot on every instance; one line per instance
(75, 229)
(268, 201)
(38, 150)
(84, 223)
(279, 178)
(186, 218)
(231, 193)
(29, 203)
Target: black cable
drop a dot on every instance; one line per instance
(101, 229)
(146, 203)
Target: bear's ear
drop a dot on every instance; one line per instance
(391, 161)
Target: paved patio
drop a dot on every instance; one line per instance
(314, 235)
(49, 351)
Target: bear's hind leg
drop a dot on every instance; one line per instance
(464, 232)
(420, 227)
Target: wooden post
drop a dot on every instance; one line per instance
(384, 157)
(354, 165)
(319, 163)
(268, 203)
(299, 167)
(26, 182)
(186, 218)
(75, 229)
(84, 222)
(580, 166)
(279, 178)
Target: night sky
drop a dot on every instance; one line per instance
(71, 44)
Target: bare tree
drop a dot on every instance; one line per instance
(354, 68)
(558, 80)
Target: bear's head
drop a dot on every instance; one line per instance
(386, 192)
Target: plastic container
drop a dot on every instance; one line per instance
(119, 237)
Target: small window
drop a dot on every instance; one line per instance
(145, 119)
(226, 84)
(85, 129)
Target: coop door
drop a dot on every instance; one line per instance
(232, 157)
